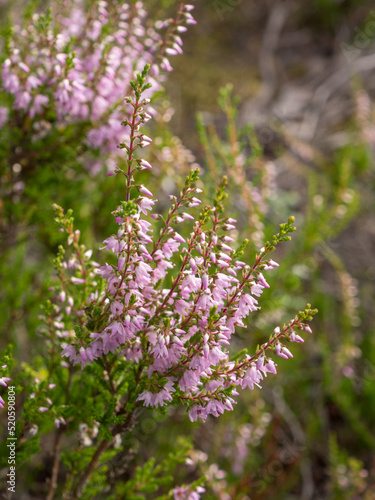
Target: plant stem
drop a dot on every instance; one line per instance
(56, 465)
(104, 444)
(57, 446)
(77, 492)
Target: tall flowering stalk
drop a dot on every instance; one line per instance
(175, 320)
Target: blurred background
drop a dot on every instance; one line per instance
(277, 96)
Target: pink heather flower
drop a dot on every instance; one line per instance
(187, 216)
(256, 289)
(177, 48)
(69, 351)
(2, 402)
(120, 263)
(145, 138)
(111, 244)
(205, 281)
(222, 264)
(170, 51)
(178, 40)
(228, 239)
(10, 82)
(177, 237)
(24, 67)
(142, 274)
(247, 303)
(58, 421)
(77, 281)
(22, 100)
(269, 367)
(144, 237)
(282, 355)
(42, 409)
(159, 398)
(295, 338)
(190, 19)
(4, 380)
(116, 308)
(37, 105)
(262, 281)
(194, 202)
(193, 265)
(145, 204)
(88, 254)
(145, 164)
(170, 247)
(286, 352)
(33, 82)
(165, 65)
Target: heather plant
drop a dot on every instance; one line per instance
(152, 327)
(222, 296)
(156, 326)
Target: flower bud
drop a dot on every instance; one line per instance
(145, 191)
(205, 281)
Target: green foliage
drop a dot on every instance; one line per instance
(152, 477)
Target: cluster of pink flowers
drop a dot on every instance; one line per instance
(80, 66)
(179, 333)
